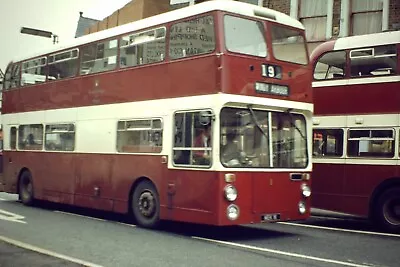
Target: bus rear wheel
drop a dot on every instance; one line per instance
(387, 212)
(25, 191)
(145, 205)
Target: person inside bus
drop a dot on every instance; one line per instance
(203, 139)
(30, 140)
(230, 153)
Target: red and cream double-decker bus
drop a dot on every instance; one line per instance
(201, 114)
(356, 127)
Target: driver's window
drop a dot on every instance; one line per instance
(192, 138)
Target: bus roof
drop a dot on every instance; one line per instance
(240, 8)
(372, 39)
(354, 42)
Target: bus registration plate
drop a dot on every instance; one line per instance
(270, 217)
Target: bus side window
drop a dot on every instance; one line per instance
(374, 61)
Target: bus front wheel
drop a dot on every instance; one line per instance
(387, 212)
(145, 205)
(26, 188)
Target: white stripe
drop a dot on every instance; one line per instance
(295, 255)
(2, 199)
(47, 252)
(126, 224)
(340, 230)
(368, 80)
(78, 215)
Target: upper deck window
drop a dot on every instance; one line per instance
(12, 76)
(99, 57)
(34, 71)
(331, 65)
(142, 48)
(192, 37)
(289, 45)
(372, 61)
(63, 65)
(245, 36)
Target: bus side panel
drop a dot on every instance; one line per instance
(53, 173)
(126, 169)
(327, 186)
(192, 196)
(349, 99)
(10, 172)
(360, 182)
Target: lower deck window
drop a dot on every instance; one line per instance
(139, 136)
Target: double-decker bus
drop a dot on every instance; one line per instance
(112, 120)
(356, 127)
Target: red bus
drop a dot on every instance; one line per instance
(356, 127)
(111, 120)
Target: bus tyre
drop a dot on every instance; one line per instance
(26, 188)
(145, 205)
(387, 212)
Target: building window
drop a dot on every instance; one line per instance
(314, 16)
(363, 16)
(366, 16)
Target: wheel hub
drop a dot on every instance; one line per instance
(392, 211)
(146, 204)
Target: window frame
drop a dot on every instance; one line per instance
(346, 21)
(295, 6)
(151, 149)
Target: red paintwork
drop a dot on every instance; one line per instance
(348, 188)
(354, 99)
(185, 195)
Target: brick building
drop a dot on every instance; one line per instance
(323, 19)
(327, 19)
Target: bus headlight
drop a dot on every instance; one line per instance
(302, 207)
(230, 192)
(305, 190)
(232, 212)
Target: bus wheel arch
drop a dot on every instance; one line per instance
(385, 206)
(25, 187)
(144, 203)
